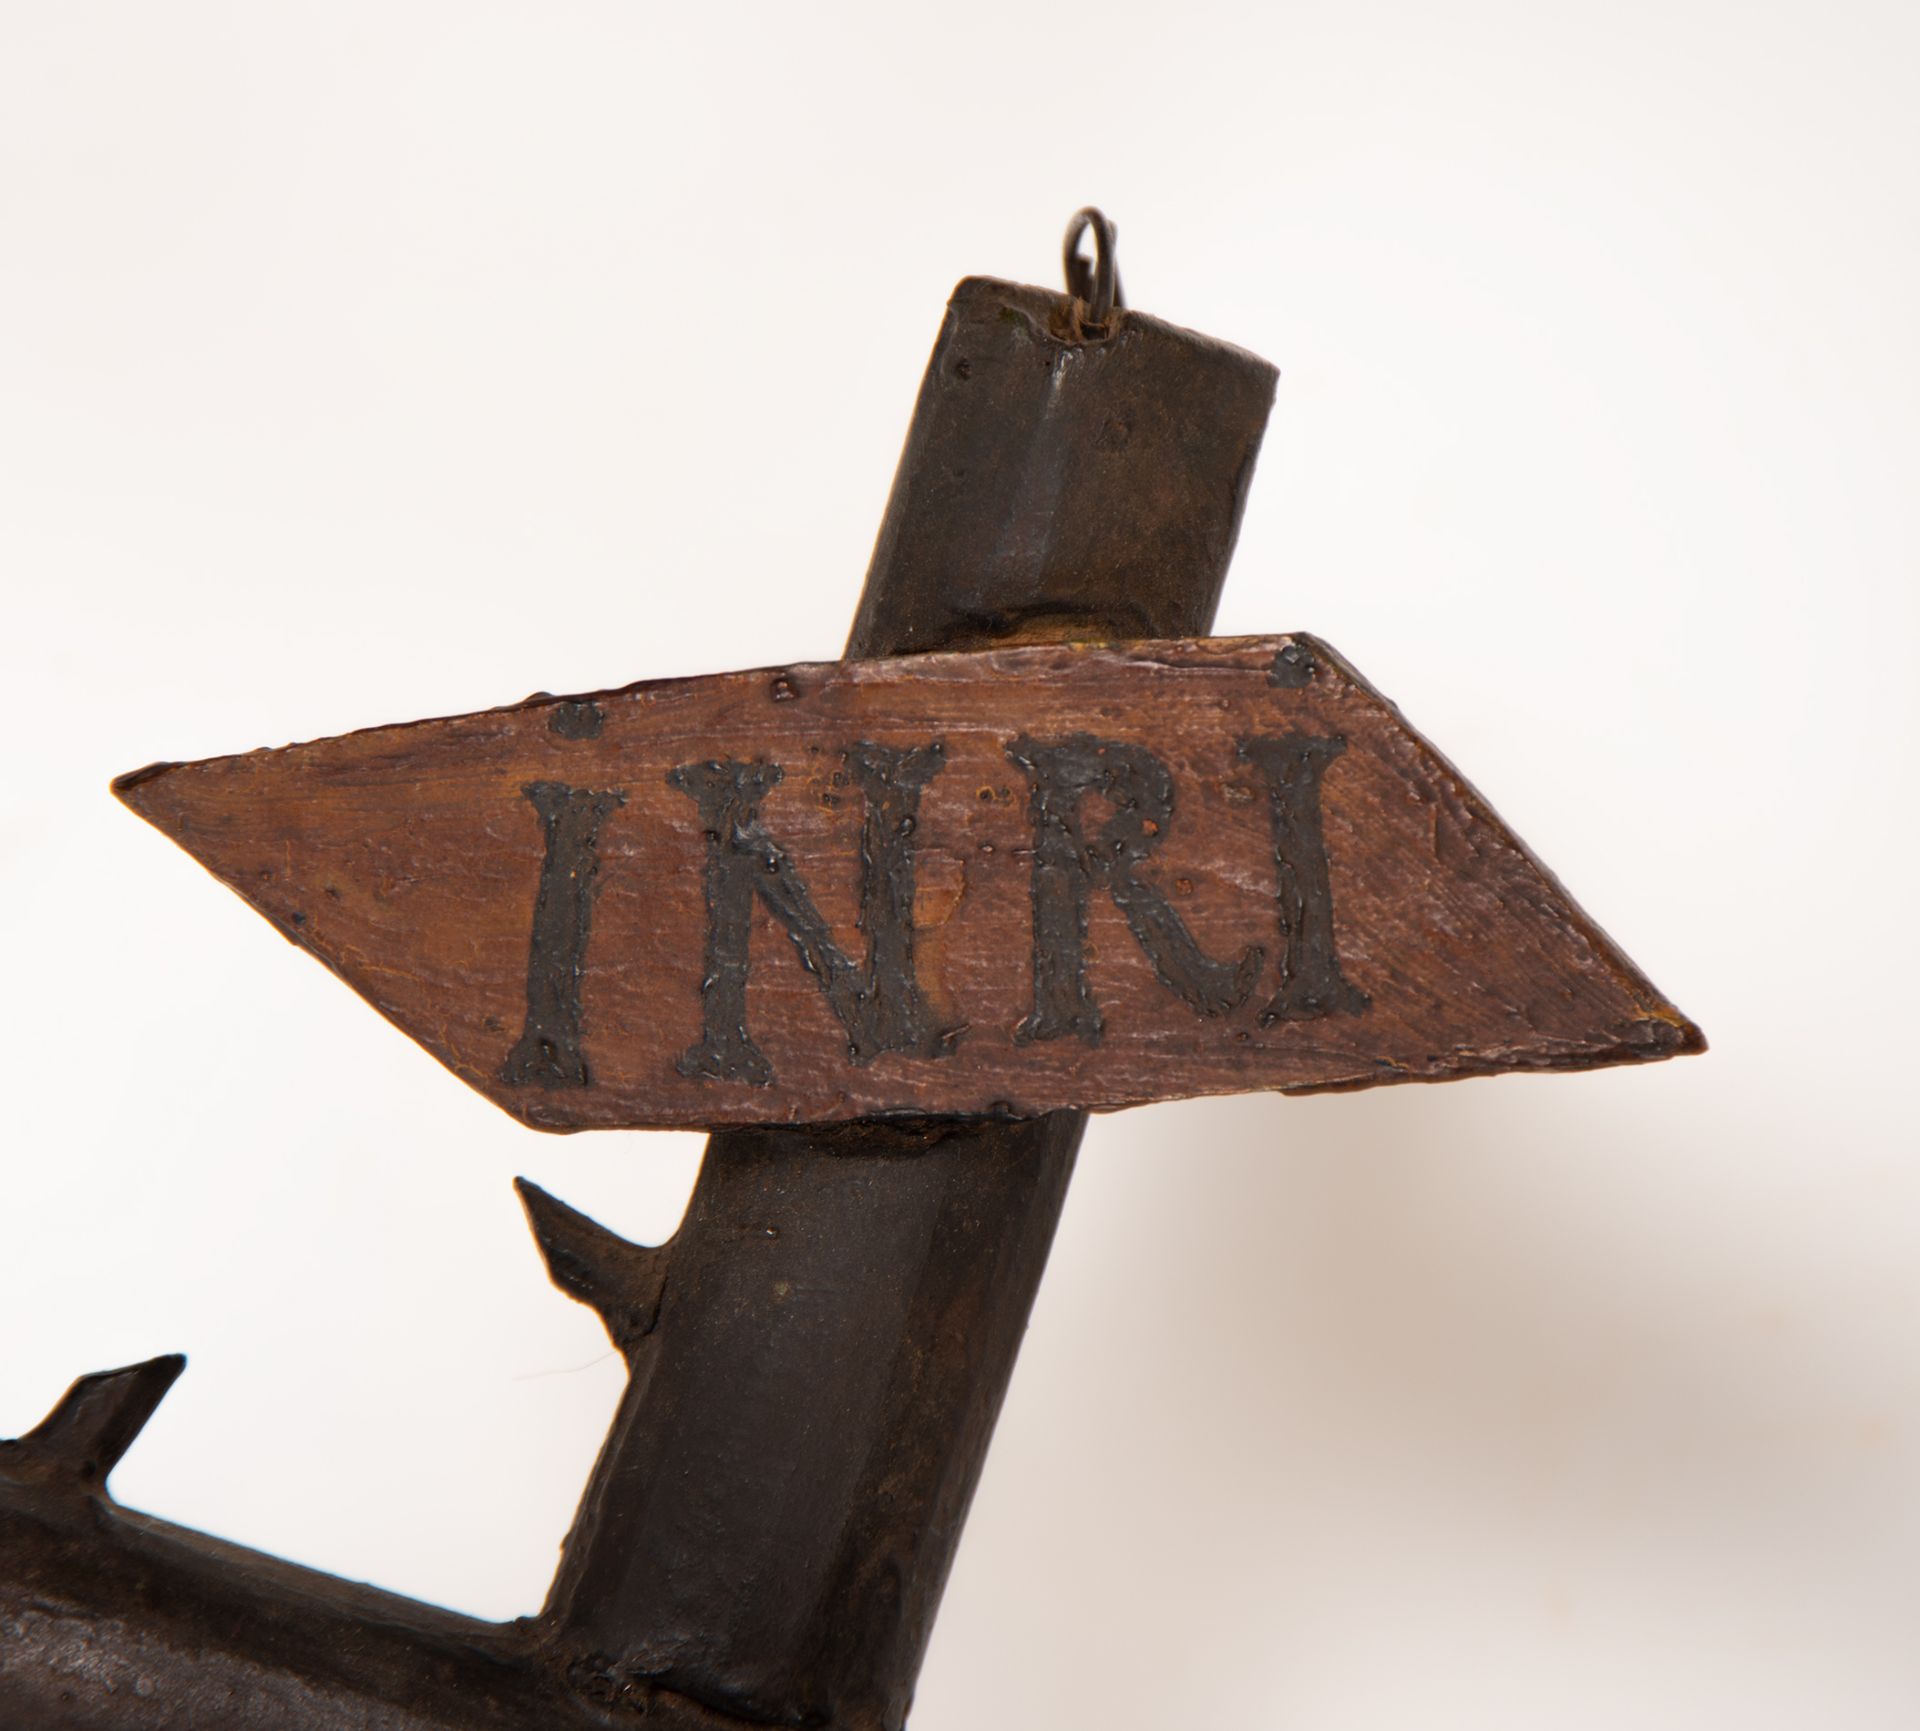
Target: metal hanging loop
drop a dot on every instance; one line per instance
(1093, 283)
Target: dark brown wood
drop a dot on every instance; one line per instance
(114, 1621)
(1003, 882)
(771, 1522)
(1054, 487)
(935, 1285)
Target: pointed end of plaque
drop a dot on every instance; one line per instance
(1687, 1039)
(174, 797)
(142, 792)
(1662, 1032)
(95, 1423)
(126, 788)
(212, 809)
(1657, 1028)
(620, 1280)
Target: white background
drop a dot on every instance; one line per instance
(372, 360)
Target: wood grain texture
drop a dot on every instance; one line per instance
(429, 864)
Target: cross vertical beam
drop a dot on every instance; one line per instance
(772, 1521)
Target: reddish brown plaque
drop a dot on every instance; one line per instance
(1003, 882)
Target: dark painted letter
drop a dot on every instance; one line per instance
(1067, 867)
(548, 1051)
(879, 1005)
(1311, 983)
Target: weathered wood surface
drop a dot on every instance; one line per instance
(1004, 883)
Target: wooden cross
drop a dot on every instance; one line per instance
(891, 926)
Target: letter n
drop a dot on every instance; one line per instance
(878, 1004)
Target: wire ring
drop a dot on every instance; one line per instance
(1095, 282)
